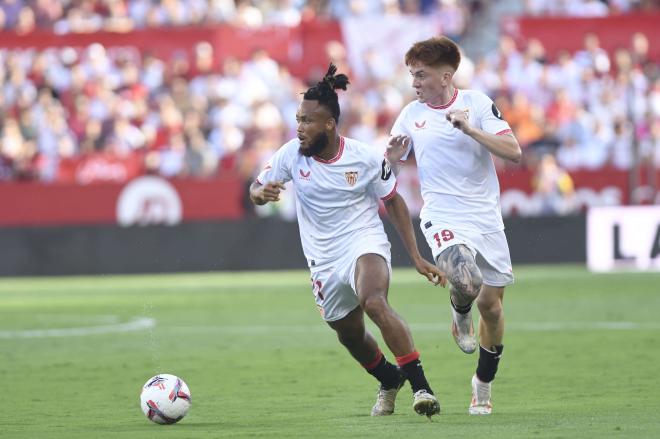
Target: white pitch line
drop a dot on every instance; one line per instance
(248, 330)
(136, 324)
(556, 326)
(140, 323)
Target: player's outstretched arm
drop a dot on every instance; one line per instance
(396, 148)
(398, 212)
(262, 194)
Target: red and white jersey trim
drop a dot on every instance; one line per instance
(335, 158)
(391, 194)
(448, 104)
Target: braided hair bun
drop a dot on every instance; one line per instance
(324, 91)
(339, 81)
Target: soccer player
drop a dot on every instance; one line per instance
(337, 183)
(453, 134)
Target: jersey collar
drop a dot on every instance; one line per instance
(448, 104)
(335, 158)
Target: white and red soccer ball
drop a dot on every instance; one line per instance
(165, 399)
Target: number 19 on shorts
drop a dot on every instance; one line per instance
(444, 235)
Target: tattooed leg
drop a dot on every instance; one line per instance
(463, 274)
(465, 278)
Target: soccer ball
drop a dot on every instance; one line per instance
(165, 399)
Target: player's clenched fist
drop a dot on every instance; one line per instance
(262, 194)
(459, 119)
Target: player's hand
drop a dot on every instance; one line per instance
(431, 272)
(271, 191)
(459, 119)
(396, 148)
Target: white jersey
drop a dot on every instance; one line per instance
(456, 174)
(335, 199)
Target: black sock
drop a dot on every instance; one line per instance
(415, 374)
(388, 374)
(461, 309)
(488, 362)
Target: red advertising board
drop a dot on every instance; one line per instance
(604, 187)
(154, 200)
(144, 200)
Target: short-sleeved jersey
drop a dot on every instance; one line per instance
(456, 174)
(335, 199)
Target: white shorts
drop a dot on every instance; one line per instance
(333, 282)
(491, 250)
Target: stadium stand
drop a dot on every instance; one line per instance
(108, 111)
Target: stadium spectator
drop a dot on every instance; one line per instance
(593, 56)
(554, 187)
(651, 145)
(346, 248)
(525, 119)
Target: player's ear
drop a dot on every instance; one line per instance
(331, 124)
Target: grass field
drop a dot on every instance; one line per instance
(581, 358)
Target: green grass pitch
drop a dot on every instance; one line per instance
(581, 358)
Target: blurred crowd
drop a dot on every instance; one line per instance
(99, 114)
(86, 16)
(587, 8)
(590, 108)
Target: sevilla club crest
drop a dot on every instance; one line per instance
(351, 177)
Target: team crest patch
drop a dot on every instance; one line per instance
(351, 177)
